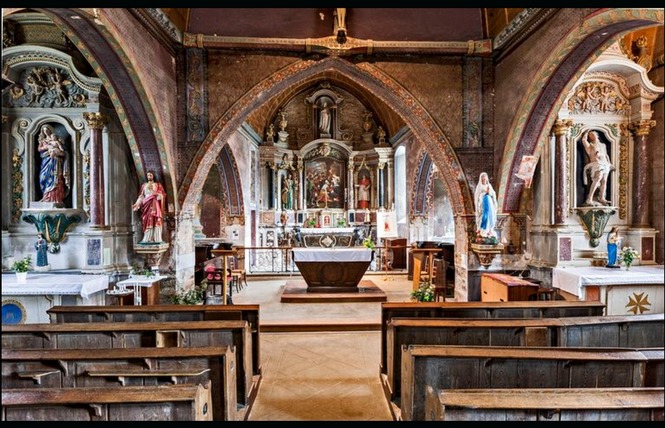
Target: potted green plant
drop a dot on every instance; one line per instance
(368, 243)
(424, 292)
(627, 256)
(193, 296)
(21, 267)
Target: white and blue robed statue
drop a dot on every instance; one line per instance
(486, 207)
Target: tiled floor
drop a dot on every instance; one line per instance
(321, 375)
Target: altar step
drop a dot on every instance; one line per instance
(295, 327)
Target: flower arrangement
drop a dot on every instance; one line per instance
(368, 243)
(477, 238)
(424, 293)
(627, 256)
(310, 222)
(22, 265)
(193, 296)
(137, 270)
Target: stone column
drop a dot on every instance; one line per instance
(390, 180)
(640, 130)
(561, 190)
(381, 185)
(96, 121)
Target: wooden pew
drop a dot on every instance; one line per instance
(140, 334)
(527, 404)
(532, 309)
(460, 367)
(185, 402)
(91, 313)
(655, 372)
(119, 367)
(636, 331)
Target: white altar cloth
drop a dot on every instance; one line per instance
(54, 284)
(332, 255)
(572, 279)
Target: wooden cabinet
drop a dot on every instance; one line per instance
(500, 287)
(398, 253)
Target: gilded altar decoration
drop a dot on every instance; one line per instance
(45, 86)
(597, 97)
(52, 224)
(594, 220)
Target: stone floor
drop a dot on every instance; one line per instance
(319, 374)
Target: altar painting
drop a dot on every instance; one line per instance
(324, 183)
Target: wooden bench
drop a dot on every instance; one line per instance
(185, 402)
(448, 367)
(249, 313)
(528, 404)
(143, 334)
(538, 309)
(618, 331)
(119, 367)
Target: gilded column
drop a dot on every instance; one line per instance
(561, 197)
(96, 121)
(640, 130)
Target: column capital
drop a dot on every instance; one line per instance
(561, 126)
(95, 120)
(641, 128)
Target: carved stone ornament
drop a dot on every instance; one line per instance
(594, 220)
(486, 253)
(52, 223)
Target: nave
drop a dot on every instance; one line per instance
(312, 375)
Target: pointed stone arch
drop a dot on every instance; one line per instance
(551, 84)
(123, 84)
(368, 78)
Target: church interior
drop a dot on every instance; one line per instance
(473, 155)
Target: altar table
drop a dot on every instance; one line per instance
(336, 270)
(624, 292)
(28, 302)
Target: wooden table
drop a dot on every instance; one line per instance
(139, 283)
(423, 257)
(500, 287)
(223, 254)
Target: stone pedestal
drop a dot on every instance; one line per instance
(152, 253)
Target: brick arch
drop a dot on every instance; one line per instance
(231, 185)
(564, 66)
(364, 76)
(422, 186)
(125, 90)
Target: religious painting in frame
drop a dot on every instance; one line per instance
(325, 185)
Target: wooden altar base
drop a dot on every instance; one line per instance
(295, 291)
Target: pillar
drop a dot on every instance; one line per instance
(561, 190)
(641, 182)
(96, 122)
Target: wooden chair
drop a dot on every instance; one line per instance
(442, 288)
(215, 278)
(238, 275)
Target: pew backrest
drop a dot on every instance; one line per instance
(187, 402)
(120, 367)
(460, 367)
(153, 313)
(142, 334)
(479, 310)
(575, 404)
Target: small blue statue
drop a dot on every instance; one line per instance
(42, 254)
(613, 242)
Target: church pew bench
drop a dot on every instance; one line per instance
(655, 372)
(615, 331)
(144, 334)
(149, 313)
(518, 309)
(121, 367)
(536, 404)
(460, 367)
(186, 402)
